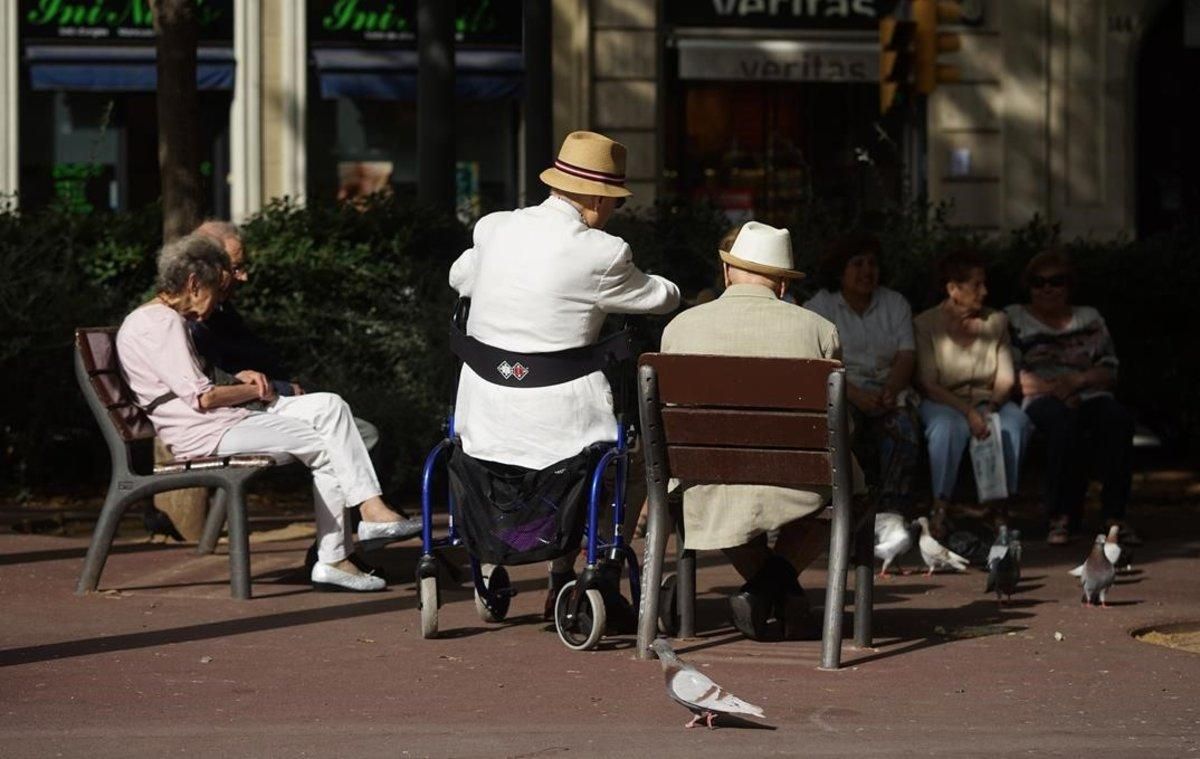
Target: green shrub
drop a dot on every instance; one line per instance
(356, 301)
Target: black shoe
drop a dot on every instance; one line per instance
(790, 603)
(748, 610)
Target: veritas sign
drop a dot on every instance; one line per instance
(354, 23)
(779, 14)
(114, 20)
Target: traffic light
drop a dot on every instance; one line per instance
(927, 15)
(896, 36)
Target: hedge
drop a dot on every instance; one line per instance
(355, 299)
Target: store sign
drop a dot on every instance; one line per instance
(778, 61)
(394, 22)
(113, 20)
(779, 14)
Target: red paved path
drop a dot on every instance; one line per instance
(293, 673)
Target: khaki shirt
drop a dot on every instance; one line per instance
(747, 320)
(969, 373)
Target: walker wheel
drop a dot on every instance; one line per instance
(429, 606)
(500, 587)
(668, 606)
(585, 631)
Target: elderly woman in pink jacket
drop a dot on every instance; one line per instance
(196, 417)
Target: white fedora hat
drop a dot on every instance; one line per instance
(762, 249)
(589, 164)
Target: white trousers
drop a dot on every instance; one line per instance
(319, 430)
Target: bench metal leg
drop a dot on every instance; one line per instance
(685, 578)
(239, 541)
(864, 582)
(652, 569)
(214, 523)
(835, 586)
(102, 537)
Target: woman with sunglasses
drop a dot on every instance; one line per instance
(1067, 372)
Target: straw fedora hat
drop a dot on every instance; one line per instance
(589, 164)
(762, 249)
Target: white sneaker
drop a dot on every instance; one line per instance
(326, 577)
(373, 535)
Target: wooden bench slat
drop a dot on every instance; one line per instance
(738, 427)
(749, 466)
(781, 383)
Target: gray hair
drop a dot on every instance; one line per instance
(196, 254)
(219, 230)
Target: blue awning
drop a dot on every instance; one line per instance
(118, 69)
(392, 74)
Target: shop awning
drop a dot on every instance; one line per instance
(778, 60)
(118, 68)
(392, 74)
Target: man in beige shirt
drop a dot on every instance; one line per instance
(750, 319)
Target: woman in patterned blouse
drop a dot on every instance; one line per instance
(1067, 369)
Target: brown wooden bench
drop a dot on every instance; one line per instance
(764, 421)
(135, 476)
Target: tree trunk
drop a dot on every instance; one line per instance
(176, 29)
(435, 105)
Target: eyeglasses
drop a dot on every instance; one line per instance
(1055, 280)
(620, 202)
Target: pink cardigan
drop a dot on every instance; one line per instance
(157, 356)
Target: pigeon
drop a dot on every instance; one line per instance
(1014, 545)
(1097, 576)
(935, 554)
(695, 691)
(1120, 556)
(1003, 570)
(893, 539)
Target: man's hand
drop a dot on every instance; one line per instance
(978, 424)
(260, 382)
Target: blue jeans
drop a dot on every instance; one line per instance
(947, 434)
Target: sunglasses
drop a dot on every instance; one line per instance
(621, 202)
(1056, 280)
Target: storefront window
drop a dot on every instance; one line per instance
(362, 116)
(88, 109)
(763, 150)
(771, 105)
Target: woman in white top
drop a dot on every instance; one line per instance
(875, 328)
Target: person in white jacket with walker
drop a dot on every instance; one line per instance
(542, 279)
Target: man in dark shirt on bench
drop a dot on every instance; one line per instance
(225, 340)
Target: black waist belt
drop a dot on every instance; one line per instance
(513, 369)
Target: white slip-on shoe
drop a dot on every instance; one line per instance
(326, 577)
(373, 535)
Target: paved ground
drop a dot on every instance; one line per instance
(164, 662)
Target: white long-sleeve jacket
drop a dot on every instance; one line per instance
(540, 280)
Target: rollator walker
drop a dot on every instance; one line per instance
(514, 516)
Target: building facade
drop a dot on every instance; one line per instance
(1064, 110)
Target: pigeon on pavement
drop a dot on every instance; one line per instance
(1120, 556)
(695, 691)
(1097, 576)
(1003, 570)
(893, 539)
(935, 554)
